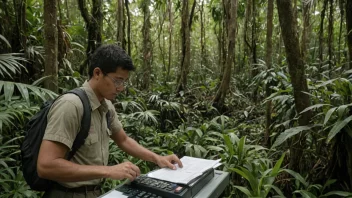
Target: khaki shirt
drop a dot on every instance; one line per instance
(64, 120)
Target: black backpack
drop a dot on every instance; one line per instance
(35, 130)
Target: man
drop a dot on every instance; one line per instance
(81, 176)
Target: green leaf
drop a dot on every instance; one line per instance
(277, 166)
(337, 128)
(326, 83)
(305, 194)
(5, 40)
(289, 133)
(199, 132)
(240, 148)
(339, 193)
(8, 89)
(341, 110)
(244, 190)
(328, 115)
(277, 190)
(215, 148)
(40, 80)
(314, 107)
(228, 144)
(24, 91)
(328, 183)
(297, 176)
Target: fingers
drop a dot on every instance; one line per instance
(177, 160)
(171, 159)
(131, 171)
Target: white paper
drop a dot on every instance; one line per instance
(115, 194)
(192, 168)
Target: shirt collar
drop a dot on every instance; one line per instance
(94, 102)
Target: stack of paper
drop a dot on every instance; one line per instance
(192, 168)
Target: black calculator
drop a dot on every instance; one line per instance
(147, 187)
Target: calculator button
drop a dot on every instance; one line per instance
(178, 189)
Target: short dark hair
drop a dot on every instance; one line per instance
(108, 58)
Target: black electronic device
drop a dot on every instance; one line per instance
(147, 187)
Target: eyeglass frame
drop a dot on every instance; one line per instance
(117, 83)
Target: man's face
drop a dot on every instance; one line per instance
(113, 83)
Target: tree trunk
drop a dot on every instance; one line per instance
(269, 62)
(61, 44)
(247, 48)
(331, 36)
(342, 11)
(254, 65)
(128, 28)
(94, 25)
(202, 40)
(230, 8)
(186, 48)
(298, 78)
(254, 40)
(147, 48)
(120, 24)
(50, 45)
(306, 27)
(170, 41)
(67, 12)
(349, 30)
(321, 36)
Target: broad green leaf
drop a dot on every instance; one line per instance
(305, 194)
(297, 176)
(337, 128)
(328, 183)
(328, 115)
(240, 148)
(314, 107)
(277, 166)
(5, 40)
(228, 144)
(339, 193)
(24, 91)
(199, 132)
(40, 80)
(341, 110)
(215, 148)
(197, 151)
(244, 190)
(326, 83)
(277, 190)
(289, 133)
(9, 89)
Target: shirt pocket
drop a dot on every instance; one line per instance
(91, 139)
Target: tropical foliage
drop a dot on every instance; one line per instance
(256, 132)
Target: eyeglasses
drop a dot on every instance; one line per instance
(118, 83)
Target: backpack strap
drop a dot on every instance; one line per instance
(108, 121)
(85, 122)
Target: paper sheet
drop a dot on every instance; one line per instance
(115, 194)
(192, 168)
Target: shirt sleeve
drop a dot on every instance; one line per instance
(63, 122)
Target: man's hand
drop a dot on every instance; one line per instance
(167, 161)
(123, 170)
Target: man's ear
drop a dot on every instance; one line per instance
(97, 72)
